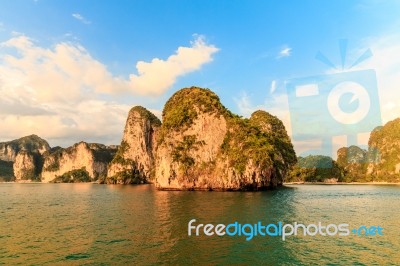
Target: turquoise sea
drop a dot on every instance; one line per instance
(92, 224)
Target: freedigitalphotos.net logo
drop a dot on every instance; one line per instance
(280, 229)
(342, 106)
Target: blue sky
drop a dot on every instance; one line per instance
(239, 49)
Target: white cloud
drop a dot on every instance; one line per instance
(81, 18)
(273, 86)
(158, 75)
(246, 108)
(71, 66)
(285, 52)
(389, 106)
(59, 93)
(89, 120)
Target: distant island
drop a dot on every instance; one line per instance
(200, 145)
(380, 163)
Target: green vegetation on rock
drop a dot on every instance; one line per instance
(181, 109)
(384, 151)
(128, 176)
(131, 162)
(33, 173)
(245, 141)
(146, 114)
(381, 163)
(119, 156)
(6, 171)
(181, 152)
(30, 143)
(74, 176)
(315, 168)
(55, 154)
(259, 145)
(354, 162)
(284, 156)
(102, 153)
(55, 164)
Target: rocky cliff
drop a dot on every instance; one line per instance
(384, 153)
(134, 160)
(382, 160)
(353, 161)
(9, 150)
(80, 159)
(28, 166)
(284, 154)
(31, 159)
(20, 158)
(202, 145)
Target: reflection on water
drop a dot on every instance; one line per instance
(91, 224)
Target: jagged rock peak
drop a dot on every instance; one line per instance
(32, 143)
(134, 160)
(144, 113)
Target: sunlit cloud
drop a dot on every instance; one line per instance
(157, 76)
(70, 67)
(81, 18)
(65, 95)
(285, 52)
(273, 86)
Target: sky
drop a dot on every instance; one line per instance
(71, 70)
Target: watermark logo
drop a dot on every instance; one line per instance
(331, 108)
(280, 229)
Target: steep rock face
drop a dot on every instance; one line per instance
(352, 154)
(202, 145)
(353, 161)
(9, 150)
(284, 156)
(92, 158)
(384, 153)
(134, 160)
(29, 148)
(382, 160)
(27, 166)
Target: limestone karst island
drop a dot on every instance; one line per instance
(200, 145)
